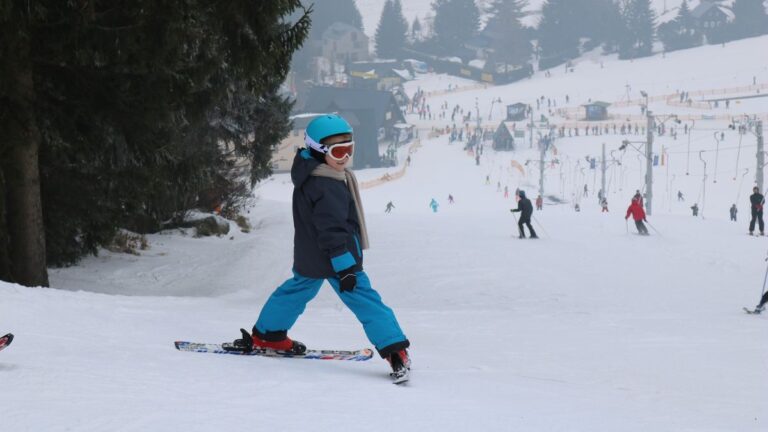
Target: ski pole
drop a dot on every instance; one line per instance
(626, 225)
(540, 226)
(513, 215)
(654, 228)
(762, 293)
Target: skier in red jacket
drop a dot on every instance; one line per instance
(638, 214)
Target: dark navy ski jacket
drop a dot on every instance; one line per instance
(524, 206)
(327, 228)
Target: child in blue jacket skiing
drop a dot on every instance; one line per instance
(434, 205)
(330, 235)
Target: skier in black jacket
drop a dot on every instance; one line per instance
(757, 200)
(526, 210)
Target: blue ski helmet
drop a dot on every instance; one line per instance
(323, 127)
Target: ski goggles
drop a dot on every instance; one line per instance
(341, 150)
(336, 151)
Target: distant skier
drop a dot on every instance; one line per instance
(576, 207)
(526, 210)
(680, 196)
(757, 200)
(733, 212)
(450, 199)
(390, 206)
(695, 209)
(434, 205)
(506, 192)
(586, 191)
(638, 214)
(539, 202)
(604, 205)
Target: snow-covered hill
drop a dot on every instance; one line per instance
(591, 328)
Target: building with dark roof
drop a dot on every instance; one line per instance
(596, 111)
(373, 115)
(712, 18)
(517, 112)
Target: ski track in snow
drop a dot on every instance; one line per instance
(590, 328)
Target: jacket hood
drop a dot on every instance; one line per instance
(303, 165)
(521, 194)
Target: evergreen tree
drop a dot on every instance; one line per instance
(641, 25)
(125, 108)
(416, 29)
(750, 19)
(391, 33)
(558, 37)
(610, 27)
(456, 21)
(682, 32)
(510, 42)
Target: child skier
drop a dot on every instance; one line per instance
(638, 214)
(330, 234)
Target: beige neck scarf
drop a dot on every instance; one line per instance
(323, 170)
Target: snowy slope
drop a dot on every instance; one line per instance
(592, 328)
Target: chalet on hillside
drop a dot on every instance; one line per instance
(712, 18)
(343, 43)
(373, 115)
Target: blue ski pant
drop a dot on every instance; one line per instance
(290, 299)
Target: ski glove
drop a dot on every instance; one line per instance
(348, 280)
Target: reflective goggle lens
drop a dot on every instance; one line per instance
(341, 150)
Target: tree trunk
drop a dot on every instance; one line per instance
(24, 213)
(5, 259)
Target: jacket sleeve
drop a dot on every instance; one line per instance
(330, 215)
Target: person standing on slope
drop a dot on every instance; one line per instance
(756, 201)
(733, 211)
(434, 205)
(539, 202)
(526, 210)
(389, 208)
(638, 214)
(329, 239)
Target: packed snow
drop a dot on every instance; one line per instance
(591, 328)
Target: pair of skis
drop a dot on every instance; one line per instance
(344, 355)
